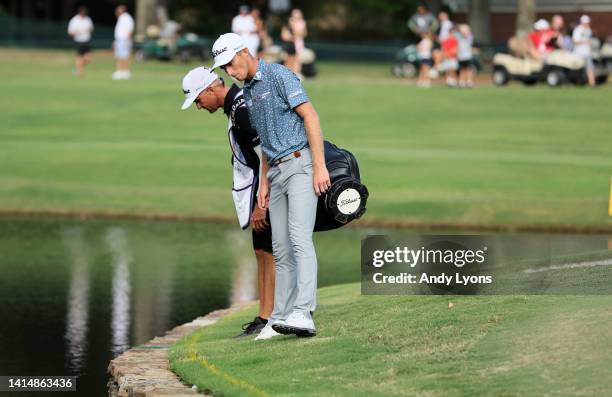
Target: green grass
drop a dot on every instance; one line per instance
(484, 156)
(413, 346)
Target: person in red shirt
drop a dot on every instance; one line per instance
(450, 64)
(541, 40)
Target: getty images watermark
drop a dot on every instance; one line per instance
(489, 265)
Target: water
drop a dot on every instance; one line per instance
(73, 294)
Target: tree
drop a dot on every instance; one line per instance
(145, 15)
(480, 21)
(525, 16)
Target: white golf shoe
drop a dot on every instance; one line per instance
(266, 333)
(297, 323)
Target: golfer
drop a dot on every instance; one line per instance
(204, 88)
(293, 175)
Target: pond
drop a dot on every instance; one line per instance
(75, 294)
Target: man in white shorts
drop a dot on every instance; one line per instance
(122, 45)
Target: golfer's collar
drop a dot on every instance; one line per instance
(259, 73)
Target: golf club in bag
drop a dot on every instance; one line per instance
(347, 197)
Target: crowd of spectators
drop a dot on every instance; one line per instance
(444, 47)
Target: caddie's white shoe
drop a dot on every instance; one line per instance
(266, 333)
(297, 323)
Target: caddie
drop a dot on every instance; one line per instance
(293, 175)
(203, 87)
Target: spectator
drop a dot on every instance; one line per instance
(297, 24)
(288, 44)
(450, 64)
(423, 22)
(264, 39)
(245, 26)
(424, 50)
(582, 46)
(122, 45)
(465, 40)
(541, 39)
(437, 53)
(445, 26)
(562, 40)
(80, 28)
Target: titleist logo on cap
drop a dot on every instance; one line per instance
(216, 53)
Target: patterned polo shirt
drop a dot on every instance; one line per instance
(271, 95)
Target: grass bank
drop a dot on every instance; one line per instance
(413, 346)
(484, 156)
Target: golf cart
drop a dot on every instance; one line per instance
(408, 62)
(605, 54)
(275, 54)
(559, 67)
(154, 46)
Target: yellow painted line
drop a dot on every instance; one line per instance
(211, 368)
(610, 205)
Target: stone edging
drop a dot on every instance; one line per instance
(357, 224)
(144, 371)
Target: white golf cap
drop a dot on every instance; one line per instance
(585, 19)
(541, 24)
(225, 48)
(196, 81)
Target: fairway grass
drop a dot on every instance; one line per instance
(413, 346)
(487, 156)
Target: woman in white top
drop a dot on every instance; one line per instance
(80, 28)
(424, 49)
(297, 24)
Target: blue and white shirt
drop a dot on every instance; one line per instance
(271, 96)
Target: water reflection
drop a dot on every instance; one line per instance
(244, 278)
(75, 294)
(116, 238)
(78, 300)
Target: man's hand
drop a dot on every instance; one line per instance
(320, 179)
(258, 220)
(263, 195)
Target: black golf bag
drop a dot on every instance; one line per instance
(346, 198)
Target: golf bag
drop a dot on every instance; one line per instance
(347, 197)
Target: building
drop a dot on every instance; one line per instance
(503, 14)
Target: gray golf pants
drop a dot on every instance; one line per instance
(293, 209)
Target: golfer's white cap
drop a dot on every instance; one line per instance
(225, 48)
(585, 19)
(541, 24)
(196, 81)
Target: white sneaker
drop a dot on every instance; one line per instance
(266, 333)
(122, 75)
(297, 323)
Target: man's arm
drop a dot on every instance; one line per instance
(263, 194)
(308, 113)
